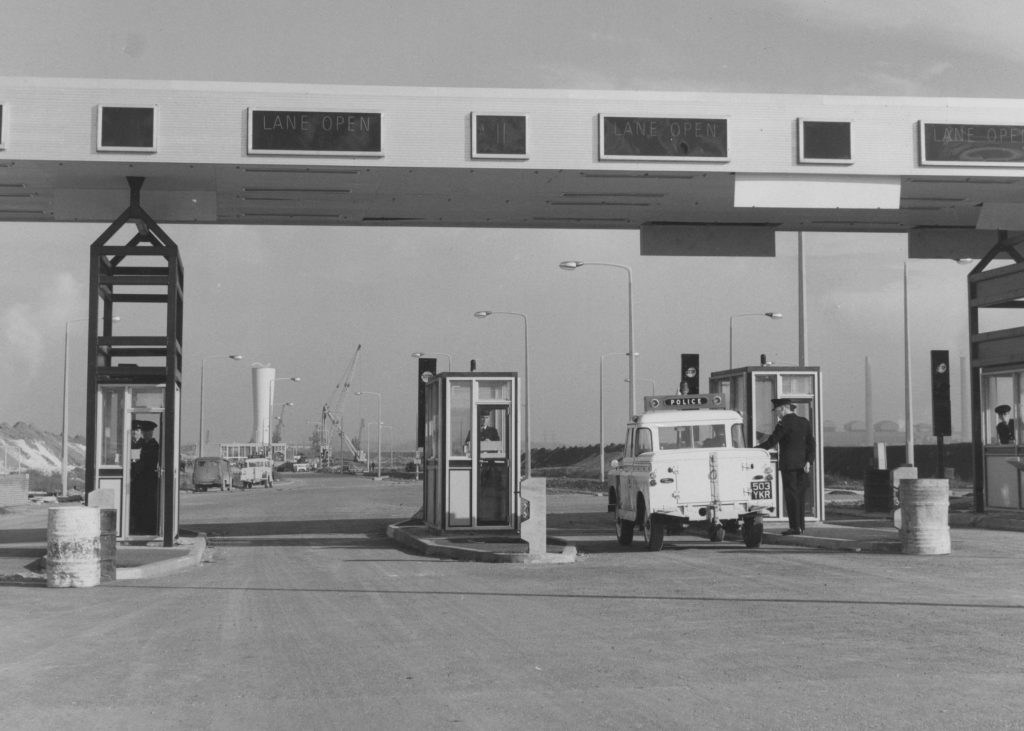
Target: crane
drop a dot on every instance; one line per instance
(330, 421)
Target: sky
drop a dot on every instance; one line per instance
(302, 299)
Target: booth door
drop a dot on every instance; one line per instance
(493, 469)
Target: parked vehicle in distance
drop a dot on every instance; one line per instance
(210, 472)
(685, 465)
(253, 470)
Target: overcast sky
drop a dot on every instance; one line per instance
(303, 299)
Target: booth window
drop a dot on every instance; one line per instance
(112, 416)
(495, 390)
(460, 417)
(1001, 390)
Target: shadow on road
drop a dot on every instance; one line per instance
(341, 533)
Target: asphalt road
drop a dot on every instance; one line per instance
(304, 615)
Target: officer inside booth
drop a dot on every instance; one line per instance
(144, 479)
(471, 452)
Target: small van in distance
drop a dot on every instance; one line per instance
(210, 472)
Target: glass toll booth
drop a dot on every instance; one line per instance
(750, 391)
(1002, 397)
(471, 452)
(131, 474)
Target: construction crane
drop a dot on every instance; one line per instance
(330, 419)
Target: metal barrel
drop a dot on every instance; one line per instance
(73, 546)
(924, 508)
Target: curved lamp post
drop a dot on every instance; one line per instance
(379, 399)
(601, 407)
(270, 413)
(572, 265)
(772, 315)
(421, 355)
(202, 387)
(526, 379)
(64, 422)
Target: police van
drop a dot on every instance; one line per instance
(685, 464)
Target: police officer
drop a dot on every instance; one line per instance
(795, 438)
(1004, 428)
(144, 515)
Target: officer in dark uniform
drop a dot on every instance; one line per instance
(144, 515)
(1004, 428)
(795, 438)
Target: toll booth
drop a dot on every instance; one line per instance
(471, 452)
(134, 376)
(750, 390)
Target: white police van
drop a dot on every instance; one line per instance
(685, 464)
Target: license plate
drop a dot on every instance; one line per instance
(761, 491)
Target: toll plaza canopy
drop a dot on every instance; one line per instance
(695, 173)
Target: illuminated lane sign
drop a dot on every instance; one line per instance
(664, 138)
(502, 136)
(971, 144)
(315, 133)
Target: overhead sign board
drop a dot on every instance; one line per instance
(126, 129)
(664, 138)
(825, 142)
(349, 134)
(946, 143)
(499, 136)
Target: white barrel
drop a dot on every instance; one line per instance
(108, 544)
(73, 546)
(924, 521)
(262, 395)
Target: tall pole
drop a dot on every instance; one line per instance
(601, 407)
(379, 422)
(906, 365)
(64, 421)
(801, 298)
(632, 348)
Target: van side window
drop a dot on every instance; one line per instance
(644, 441)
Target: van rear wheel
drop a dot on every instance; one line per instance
(654, 532)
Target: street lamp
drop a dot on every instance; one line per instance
(526, 378)
(64, 422)
(572, 265)
(771, 315)
(601, 407)
(280, 421)
(202, 387)
(647, 380)
(379, 399)
(270, 413)
(391, 445)
(420, 355)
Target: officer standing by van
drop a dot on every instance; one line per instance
(795, 438)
